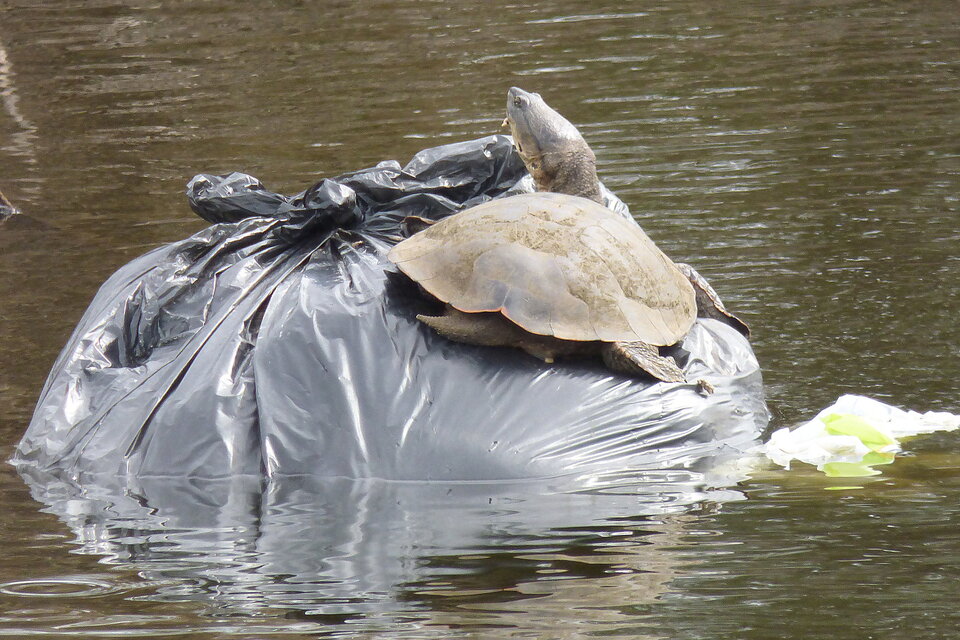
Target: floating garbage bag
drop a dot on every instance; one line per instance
(280, 341)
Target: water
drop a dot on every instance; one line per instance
(802, 155)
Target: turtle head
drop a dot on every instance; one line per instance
(554, 152)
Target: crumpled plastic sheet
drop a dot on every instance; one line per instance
(280, 342)
(813, 443)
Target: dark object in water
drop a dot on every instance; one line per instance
(281, 342)
(6, 208)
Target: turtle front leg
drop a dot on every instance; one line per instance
(640, 358)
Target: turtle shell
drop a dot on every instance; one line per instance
(556, 265)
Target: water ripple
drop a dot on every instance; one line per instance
(587, 17)
(83, 587)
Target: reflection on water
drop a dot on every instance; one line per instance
(21, 142)
(801, 155)
(402, 556)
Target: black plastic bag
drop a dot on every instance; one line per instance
(282, 342)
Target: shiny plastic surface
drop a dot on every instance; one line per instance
(282, 342)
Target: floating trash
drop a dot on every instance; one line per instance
(854, 435)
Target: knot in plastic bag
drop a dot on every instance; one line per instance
(231, 198)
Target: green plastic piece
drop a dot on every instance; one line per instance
(846, 424)
(876, 458)
(848, 470)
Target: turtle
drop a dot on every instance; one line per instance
(555, 272)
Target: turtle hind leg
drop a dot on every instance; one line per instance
(412, 225)
(493, 330)
(484, 329)
(639, 358)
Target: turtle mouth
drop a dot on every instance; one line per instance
(507, 122)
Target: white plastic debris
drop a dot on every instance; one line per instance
(853, 435)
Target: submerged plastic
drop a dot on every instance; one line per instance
(280, 341)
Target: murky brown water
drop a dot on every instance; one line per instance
(804, 156)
